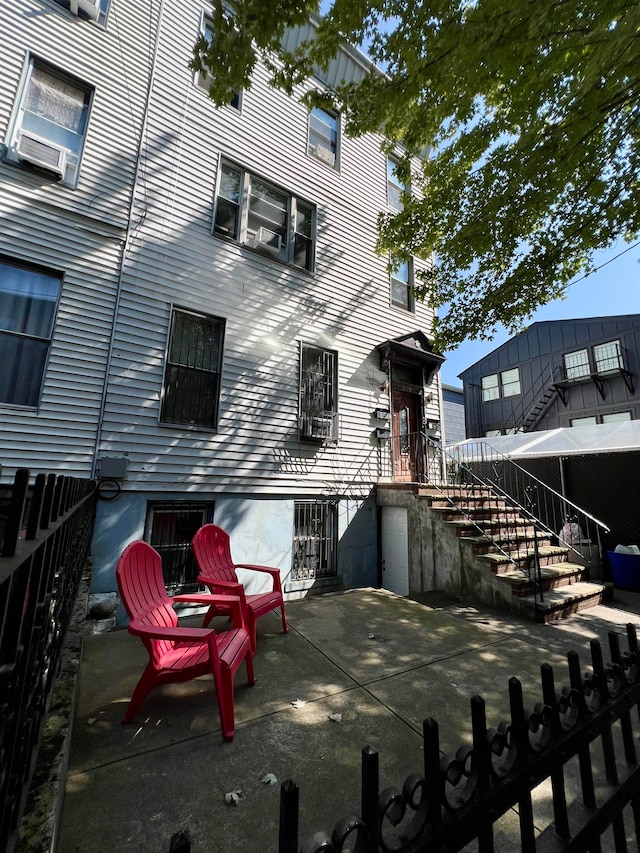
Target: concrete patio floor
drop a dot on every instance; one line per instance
(383, 662)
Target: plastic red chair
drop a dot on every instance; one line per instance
(212, 553)
(177, 653)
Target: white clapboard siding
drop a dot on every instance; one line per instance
(269, 308)
(78, 232)
(115, 61)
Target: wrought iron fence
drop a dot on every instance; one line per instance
(458, 798)
(45, 543)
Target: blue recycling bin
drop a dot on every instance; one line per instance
(625, 570)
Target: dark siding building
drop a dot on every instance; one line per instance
(453, 414)
(557, 373)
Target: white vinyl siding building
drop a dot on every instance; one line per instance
(236, 224)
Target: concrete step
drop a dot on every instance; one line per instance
(564, 601)
(503, 542)
(548, 555)
(553, 577)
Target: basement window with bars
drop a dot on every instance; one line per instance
(315, 540)
(191, 389)
(318, 394)
(170, 527)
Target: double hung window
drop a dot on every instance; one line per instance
(50, 123)
(503, 384)
(264, 217)
(318, 394)
(28, 300)
(396, 188)
(204, 80)
(324, 126)
(93, 10)
(402, 286)
(192, 374)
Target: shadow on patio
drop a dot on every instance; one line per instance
(382, 662)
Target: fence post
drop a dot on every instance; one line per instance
(16, 508)
(369, 806)
(37, 497)
(288, 833)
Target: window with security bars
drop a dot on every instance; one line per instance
(169, 528)
(315, 540)
(318, 394)
(192, 375)
(576, 364)
(608, 357)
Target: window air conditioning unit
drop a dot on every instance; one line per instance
(91, 8)
(41, 152)
(266, 240)
(324, 154)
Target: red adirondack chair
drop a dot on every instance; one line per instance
(212, 552)
(177, 653)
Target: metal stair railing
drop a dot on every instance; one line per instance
(533, 403)
(558, 517)
(501, 519)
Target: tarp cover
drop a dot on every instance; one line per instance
(565, 441)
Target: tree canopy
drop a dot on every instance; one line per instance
(531, 112)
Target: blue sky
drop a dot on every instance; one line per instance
(613, 289)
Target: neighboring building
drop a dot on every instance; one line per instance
(557, 373)
(192, 303)
(453, 414)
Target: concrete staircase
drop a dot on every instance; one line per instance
(503, 544)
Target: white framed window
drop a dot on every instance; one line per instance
(608, 357)
(203, 81)
(91, 10)
(616, 417)
(318, 419)
(28, 303)
(510, 382)
(191, 388)
(324, 129)
(264, 217)
(586, 421)
(396, 188)
(503, 384)
(576, 364)
(490, 388)
(402, 286)
(50, 122)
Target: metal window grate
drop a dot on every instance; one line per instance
(608, 357)
(318, 394)
(170, 528)
(192, 375)
(315, 540)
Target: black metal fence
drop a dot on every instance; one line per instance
(457, 798)
(46, 534)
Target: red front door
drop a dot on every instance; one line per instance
(405, 426)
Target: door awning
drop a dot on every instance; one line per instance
(413, 349)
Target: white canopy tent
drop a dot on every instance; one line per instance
(564, 441)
